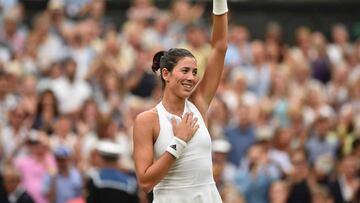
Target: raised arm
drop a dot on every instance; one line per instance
(209, 83)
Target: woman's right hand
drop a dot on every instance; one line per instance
(186, 128)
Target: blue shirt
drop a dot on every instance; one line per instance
(317, 147)
(254, 188)
(280, 112)
(113, 178)
(236, 59)
(258, 80)
(67, 187)
(240, 139)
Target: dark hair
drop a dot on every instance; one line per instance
(67, 61)
(356, 143)
(41, 103)
(168, 59)
(109, 158)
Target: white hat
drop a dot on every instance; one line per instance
(324, 163)
(221, 145)
(326, 112)
(264, 133)
(108, 148)
(55, 4)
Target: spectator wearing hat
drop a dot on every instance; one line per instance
(35, 165)
(65, 185)
(15, 192)
(109, 184)
(222, 169)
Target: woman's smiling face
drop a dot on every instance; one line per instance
(183, 78)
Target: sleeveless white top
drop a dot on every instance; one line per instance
(190, 178)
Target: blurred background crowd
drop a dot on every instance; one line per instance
(285, 122)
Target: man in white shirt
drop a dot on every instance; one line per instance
(70, 92)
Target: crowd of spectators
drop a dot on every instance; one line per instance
(285, 122)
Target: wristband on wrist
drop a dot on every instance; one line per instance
(220, 7)
(176, 147)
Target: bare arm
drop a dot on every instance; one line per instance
(209, 84)
(148, 171)
(134, 78)
(52, 190)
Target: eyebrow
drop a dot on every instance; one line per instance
(185, 67)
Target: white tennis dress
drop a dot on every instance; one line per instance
(190, 178)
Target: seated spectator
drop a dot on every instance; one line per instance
(35, 165)
(219, 117)
(319, 142)
(345, 130)
(241, 136)
(259, 74)
(47, 112)
(346, 187)
(142, 10)
(256, 176)
(108, 183)
(67, 86)
(67, 183)
(321, 171)
(320, 63)
(341, 45)
(321, 195)
(139, 80)
(239, 54)
(279, 192)
(63, 135)
(223, 170)
(279, 153)
(299, 178)
(13, 135)
(16, 193)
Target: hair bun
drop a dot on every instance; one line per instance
(156, 60)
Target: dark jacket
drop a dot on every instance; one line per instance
(111, 186)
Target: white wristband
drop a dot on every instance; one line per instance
(220, 7)
(176, 147)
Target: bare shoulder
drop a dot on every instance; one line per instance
(147, 122)
(148, 116)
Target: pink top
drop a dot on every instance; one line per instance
(32, 174)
